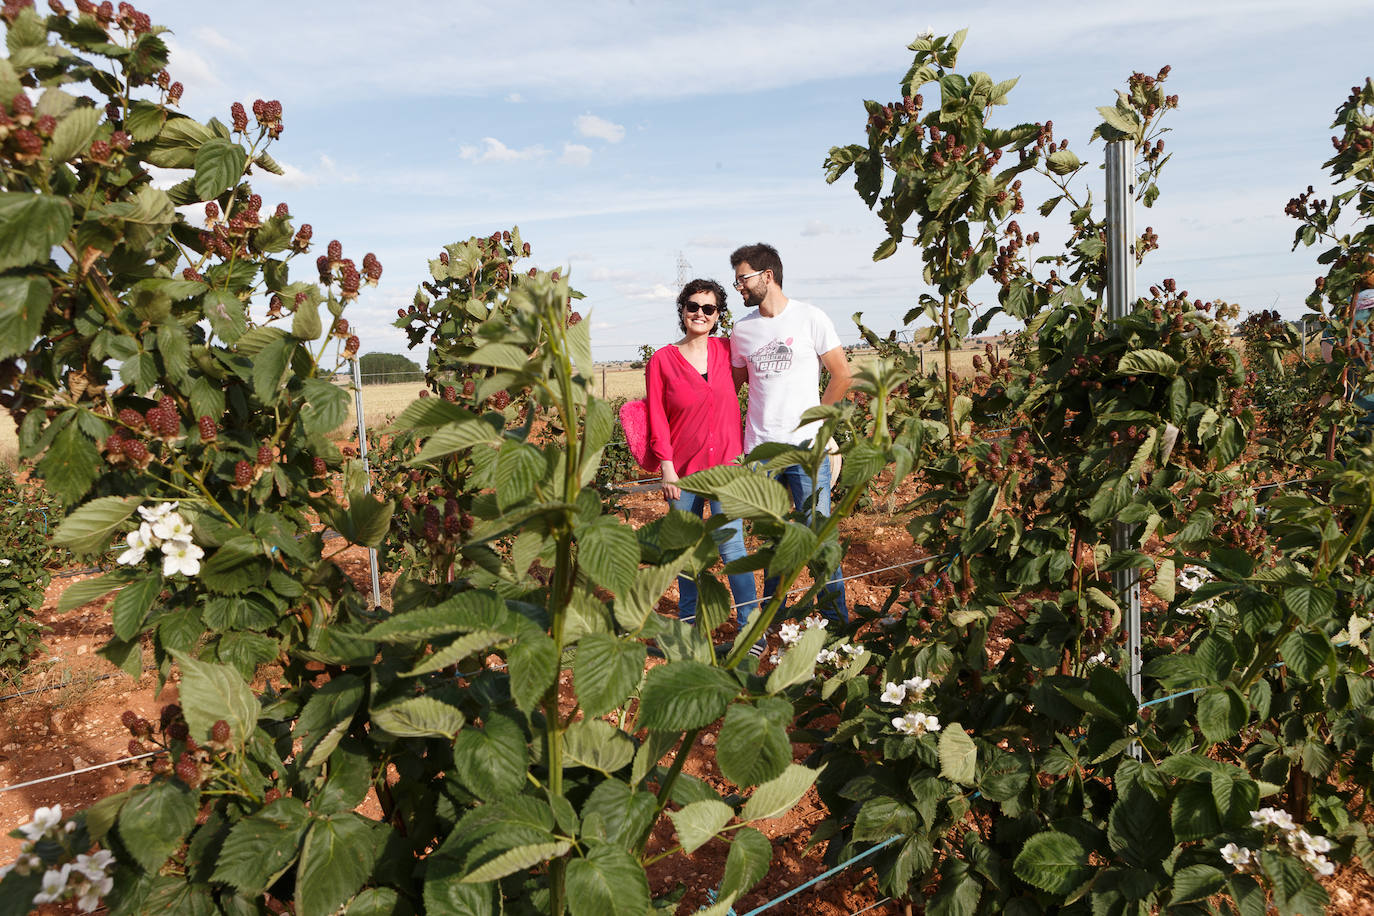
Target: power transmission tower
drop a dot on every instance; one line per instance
(684, 270)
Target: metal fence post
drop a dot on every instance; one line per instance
(1121, 260)
(367, 476)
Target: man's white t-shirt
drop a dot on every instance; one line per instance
(783, 357)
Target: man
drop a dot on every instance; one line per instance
(779, 347)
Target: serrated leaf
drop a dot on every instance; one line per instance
(327, 715)
(455, 437)
(958, 755)
(336, 858)
(609, 552)
(90, 528)
(419, 717)
(219, 165)
(698, 822)
(777, 796)
(428, 413)
(607, 882)
(31, 225)
(73, 134)
(154, 821)
(533, 663)
(1052, 861)
(262, 846)
(70, 465)
(1312, 603)
(795, 547)
(1221, 713)
(1147, 362)
(684, 695)
(754, 496)
(326, 406)
(88, 590)
(224, 311)
(456, 651)
(1062, 162)
(269, 368)
(23, 305)
(492, 760)
(500, 356)
(606, 669)
(746, 864)
(517, 858)
(1307, 654)
(132, 604)
(798, 664)
(598, 744)
(753, 746)
(212, 692)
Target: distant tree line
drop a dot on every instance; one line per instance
(388, 368)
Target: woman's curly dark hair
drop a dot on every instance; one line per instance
(702, 286)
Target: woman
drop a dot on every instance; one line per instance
(694, 423)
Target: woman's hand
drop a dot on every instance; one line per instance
(671, 490)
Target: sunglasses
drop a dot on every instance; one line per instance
(707, 310)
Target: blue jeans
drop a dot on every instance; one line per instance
(730, 542)
(831, 601)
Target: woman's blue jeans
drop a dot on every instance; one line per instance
(831, 601)
(730, 542)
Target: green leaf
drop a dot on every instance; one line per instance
(90, 528)
(23, 305)
(606, 669)
(1062, 162)
(73, 134)
(517, 858)
(456, 437)
(609, 552)
(795, 547)
(958, 755)
(379, 901)
(174, 346)
(1138, 828)
(269, 368)
(366, 521)
(326, 406)
(31, 225)
(337, 858)
(219, 165)
(1221, 713)
(492, 760)
(1312, 603)
(1194, 814)
(754, 496)
(798, 663)
(1052, 861)
(261, 847)
(305, 322)
(608, 882)
(519, 466)
(698, 822)
(1147, 362)
(70, 465)
(1120, 123)
(753, 746)
(685, 694)
(131, 606)
(1307, 654)
(456, 651)
(419, 717)
(501, 356)
(463, 613)
(327, 716)
(213, 692)
(88, 590)
(598, 744)
(429, 413)
(776, 797)
(533, 662)
(747, 863)
(154, 821)
(224, 311)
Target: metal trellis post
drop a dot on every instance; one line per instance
(1120, 300)
(367, 475)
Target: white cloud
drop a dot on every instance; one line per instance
(576, 154)
(816, 227)
(657, 292)
(493, 150)
(324, 172)
(592, 126)
(515, 98)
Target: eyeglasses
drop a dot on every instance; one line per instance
(707, 310)
(739, 281)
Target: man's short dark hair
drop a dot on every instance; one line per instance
(759, 256)
(702, 286)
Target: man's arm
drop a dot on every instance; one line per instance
(837, 365)
(740, 374)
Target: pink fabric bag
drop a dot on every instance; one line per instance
(634, 419)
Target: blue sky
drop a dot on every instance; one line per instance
(619, 134)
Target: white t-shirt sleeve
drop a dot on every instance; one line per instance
(823, 332)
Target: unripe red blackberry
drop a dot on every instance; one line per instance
(135, 451)
(443, 257)
(187, 770)
(174, 92)
(319, 467)
(45, 125)
(282, 211)
(407, 504)
(99, 152)
(322, 265)
(341, 327)
(219, 732)
(211, 211)
(57, 7)
(450, 393)
(527, 249)
(302, 238)
(131, 418)
(22, 107)
(452, 525)
(335, 250)
(264, 455)
(238, 116)
(501, 400)
(468, 388)
(128, 719)
(177, 730)
(136, 747)
(271, 795)
(243, 474)
(208, 430)
(30, 145)
(167, 402)
(351, 347)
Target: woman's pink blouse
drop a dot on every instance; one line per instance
(694, 422)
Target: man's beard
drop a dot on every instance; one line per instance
(751, 297)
